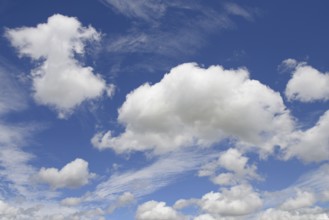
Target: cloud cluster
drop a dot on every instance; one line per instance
(72, 175)
(303, 214)
(196, 106)
(59, 80)
(229, 203)
(307, 83)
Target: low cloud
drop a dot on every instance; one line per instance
(153, 210)
(192, 105)
(234, 168)
(59, 80)
(72, 175)
(307, 83)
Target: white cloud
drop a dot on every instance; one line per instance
(153, 210)
(125, 199)
(288, 65)
(307, 84)
(312, 144)
(238, 11)
(303, 214)
(72, 175)
(7, 211)
(59, 80)
(21, 197)
(236, 201)
(71, 201)
(301, 200)
(204, 217)
(230, 203)
(196, 106)
(12, 98)
(225, 179)
(235, 163)
(148, 179)
(148, 34)
(147, 10)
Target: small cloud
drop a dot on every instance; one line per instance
(123, 200)
(72, 175)
(287, 65)
(71, 201)
(307, 84)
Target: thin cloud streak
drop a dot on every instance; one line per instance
(159, 174)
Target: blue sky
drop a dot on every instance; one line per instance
(171, 110)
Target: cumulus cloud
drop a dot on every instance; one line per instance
(301, 200)
(196, 106)
(232, 161)
(307, 83)
(311, 145)
(59, 80)
(72, 175)
(153, 210)
(229, 203)
(236, 201)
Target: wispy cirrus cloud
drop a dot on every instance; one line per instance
(162, 172)
(149, 33)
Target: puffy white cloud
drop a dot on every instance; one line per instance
(153, 210)
(59, 80)
(307, 84)
(236, 201)
(72, 175)
(196, 106)
(303, 214)
(232, 161)
(313, 143)
(301, 200)
(229, 203)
